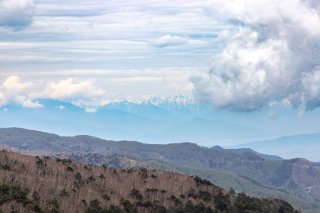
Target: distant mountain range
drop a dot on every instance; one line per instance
(248, 150)
(303, 146)
(153, 120)
(295, 180)
(167, 100)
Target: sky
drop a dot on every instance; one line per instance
(244, 58)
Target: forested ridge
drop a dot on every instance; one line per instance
(41, 184)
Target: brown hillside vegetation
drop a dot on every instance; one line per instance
(34, 184)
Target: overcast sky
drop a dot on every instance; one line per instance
(100, 51)
(240, 56)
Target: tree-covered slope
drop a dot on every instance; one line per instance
(34, 184)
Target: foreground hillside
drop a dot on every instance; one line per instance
(33, 184)
(221, 178)
(297, 175)
(296, 181)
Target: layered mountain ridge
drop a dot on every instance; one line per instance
(296, 179)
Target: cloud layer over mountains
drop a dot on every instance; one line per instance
(263, 52)
(271, 55)
(80, 92)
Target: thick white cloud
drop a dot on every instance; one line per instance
(69, 88)
(94, 88)
(271, 55)
(16, 13)
(14, 84)
(122, 36)
(80, 92)
(311, 86)
(14, 90)
(119, 84)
